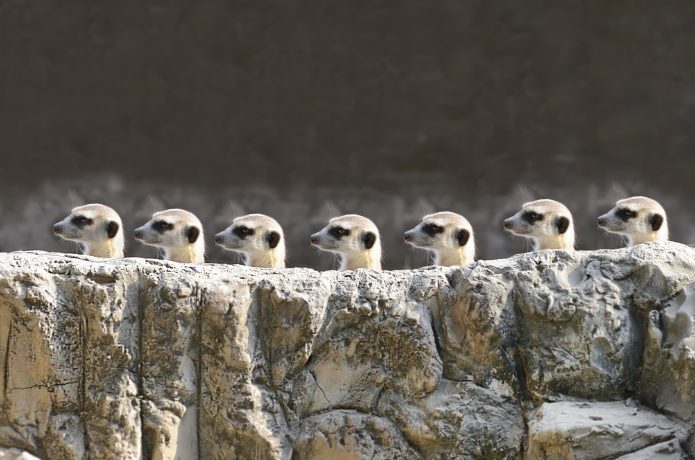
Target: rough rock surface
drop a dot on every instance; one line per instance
(15, 454)
(582, 430)
(576, 355)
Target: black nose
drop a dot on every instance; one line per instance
(601, 221)
(314, 240)
(507, 224)
(57, 229)
(218, 238)
(408, 237)
(137, 234)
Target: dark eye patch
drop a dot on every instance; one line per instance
(242, 231)
(432, 229)
(81, 221)
(625, 214)
(162, 226)
(532, 217)
(338, 232)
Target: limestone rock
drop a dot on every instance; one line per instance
(15, 454)
(344, 434)
(133, 358)
(584, 430)
(459, 420)
(668, 450)
(668, 378)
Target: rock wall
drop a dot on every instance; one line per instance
(549, 355)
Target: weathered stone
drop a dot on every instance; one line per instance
(593, 430)
(668, 376)
(578, 334)
(168, 326)
(459, 420)
(15, 454)
(150, 359)
(374, 340)
(668, 450)
(344, 434)
(474, 319)
(238, 416)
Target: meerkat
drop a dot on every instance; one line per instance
(179, 233)
(96, 227)
(639, 219)
(258, 237)
(354, 238)
(446, 234)
(547, 223)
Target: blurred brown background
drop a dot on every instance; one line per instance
(307, 109)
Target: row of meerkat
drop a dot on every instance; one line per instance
(354, 238)
(549, 224)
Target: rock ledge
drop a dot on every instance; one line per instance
(548, 355)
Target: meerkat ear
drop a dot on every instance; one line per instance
(369, 239)
(273, 238)
(112, 228)
(462, 236)
(192, 234)
(563, 224)
(656, 221)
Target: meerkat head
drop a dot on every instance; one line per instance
(258, 237)
(96, 227)
(448, 235)
(548, 223)
(355, 238)
(639, 219)
(179, 233)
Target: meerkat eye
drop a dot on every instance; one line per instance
(625, 214)
(532, 216)
(242, 231)
(81, 221)
(338, 232)
(432, 229)
(162, 226)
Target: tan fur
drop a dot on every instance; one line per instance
(351, 248)
(637, 229)
(174, 242)
(93, 237)
(255, 247)
(445, 245)
(544, 233)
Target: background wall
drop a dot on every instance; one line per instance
(308, 109)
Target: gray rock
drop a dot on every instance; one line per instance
(15, 454)
(545, 355)
(459, 420)
(668, 450)
(669, 356)
(345, 434)
(593, 430)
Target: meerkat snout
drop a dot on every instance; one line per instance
(446, 234)
(354, 238)
(639, 219)
(259, 237)
(177, 232)
(96, 227)
(547, 223)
